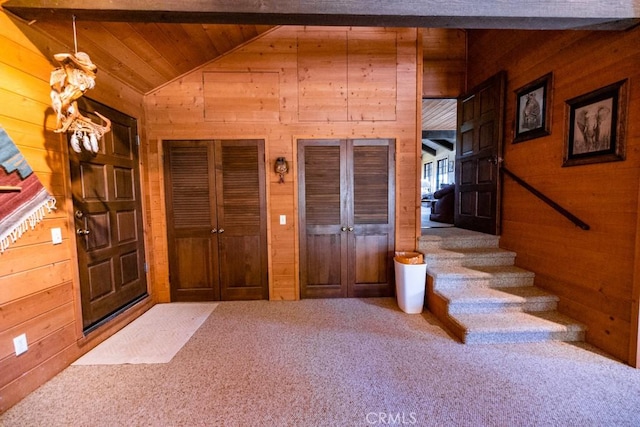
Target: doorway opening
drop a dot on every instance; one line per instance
(437, 169)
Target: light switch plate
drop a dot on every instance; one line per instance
(56, 236)
(20, 344)
(283, 219)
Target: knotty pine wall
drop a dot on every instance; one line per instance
(291, 83)
(39, 291)
(596, 272)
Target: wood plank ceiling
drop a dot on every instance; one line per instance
(147, 43)
(148, 55)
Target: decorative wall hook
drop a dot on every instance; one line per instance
(281, 168)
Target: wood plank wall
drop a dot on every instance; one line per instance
(592, 271)
(39, 291)
(445, 62)
(291, 83)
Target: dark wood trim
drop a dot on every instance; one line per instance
(555, 14)
(428, 149)
(439, 134)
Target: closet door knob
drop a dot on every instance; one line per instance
(214, 231)
(350, 228)
(221, 231)
(343, 228)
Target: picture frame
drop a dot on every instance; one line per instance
(596, 123)
(533, 109)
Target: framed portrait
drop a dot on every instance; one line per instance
(596, 126)
(533, 109)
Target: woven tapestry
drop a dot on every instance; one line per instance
(23, 199)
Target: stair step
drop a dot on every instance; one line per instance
(514, 327)
(535, 299)
(470, 257)
(499, 276)
(479, 300)
(488, 300)
(456, 238)
(478, 292)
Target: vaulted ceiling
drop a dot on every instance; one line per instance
(146, 43)
(146, 55)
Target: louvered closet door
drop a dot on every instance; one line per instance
(372, 239)
(191, 220)
(323, 214)
(347, 217)
(242, 223)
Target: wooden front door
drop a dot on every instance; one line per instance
(216, 225)
(347, 211)
(108, 219)
(479, 148)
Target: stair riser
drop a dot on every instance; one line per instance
(511, 282)
(469, 261)
(532, 307)
(490, 307)
(500, 307)
(483, 242)
(522, 337)
(471, 243)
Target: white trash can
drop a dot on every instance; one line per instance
(410, 286)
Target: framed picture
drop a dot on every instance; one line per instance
(596, 126)
(533, 109)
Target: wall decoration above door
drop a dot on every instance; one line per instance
(68, 83)
(23, 199)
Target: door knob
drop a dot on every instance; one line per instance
(221, 231)
(214, 231)
(79, 214)
(350, 228)
(82, 232)
(343, 228)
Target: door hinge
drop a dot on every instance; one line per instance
(146, 267)
(138, 140)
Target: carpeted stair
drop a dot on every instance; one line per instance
(476, 291)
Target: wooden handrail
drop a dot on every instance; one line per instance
(571, 217)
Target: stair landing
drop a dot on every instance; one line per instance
(477, 292)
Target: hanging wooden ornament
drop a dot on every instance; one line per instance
(69, 82)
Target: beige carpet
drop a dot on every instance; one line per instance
(154, 337)
(343, 362)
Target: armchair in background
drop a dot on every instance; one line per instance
(443, 207)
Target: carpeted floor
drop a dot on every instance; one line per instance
(343, 362)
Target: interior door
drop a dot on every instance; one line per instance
(108, 219)
(373, 205)
(479, 148)
(191, 220)
(216, 224)
(323, 201)
(347, 211)
(242, 225)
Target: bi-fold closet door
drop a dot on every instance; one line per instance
(347, 217)
(216, 224)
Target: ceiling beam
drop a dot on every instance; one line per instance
(428, 149)
(443, 138)
(515, 14)
(439, 134)
(443, 143)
